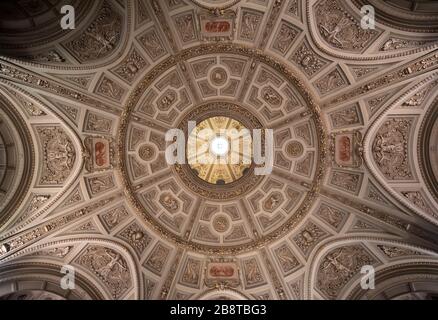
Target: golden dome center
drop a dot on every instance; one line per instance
(219, 146)
(219, 150)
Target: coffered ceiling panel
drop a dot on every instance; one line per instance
(85, 176)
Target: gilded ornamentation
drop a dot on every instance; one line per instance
(209, 166)
(223, 182)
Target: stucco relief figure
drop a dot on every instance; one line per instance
(337, 26)
(384, 148)
(169, 202)
(339, 266)
(59, 155)
(152, 43)
(186, 27)
(191, 274)
(272, 97)
(157, 259)
(273, 201)
(100, 38)
(109, 266)
(253, 275)
(250, 24)
(390, 149)
(285, 38)
(287, 260)
(97, 123)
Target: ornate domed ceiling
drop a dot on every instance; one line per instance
(16, 159)
(85, 179)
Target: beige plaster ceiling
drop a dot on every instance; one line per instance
(354, 172)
